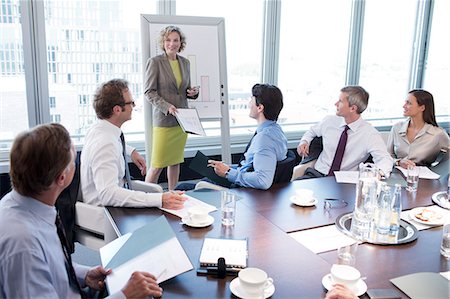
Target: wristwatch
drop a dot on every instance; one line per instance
(226, 173)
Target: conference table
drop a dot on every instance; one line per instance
(266, 218)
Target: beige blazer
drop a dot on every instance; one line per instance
(160, 88)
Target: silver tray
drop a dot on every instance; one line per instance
(440, 198)
(406, 233)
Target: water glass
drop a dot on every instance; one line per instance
(347, 254)
(445, 244)
(228, 208)
(412, 179)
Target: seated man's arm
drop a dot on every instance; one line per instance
(27, 275)
(109, 187)
(380, 155)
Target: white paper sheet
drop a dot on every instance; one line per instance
(424, 173)
(350, 177)
(322, 239)
(190, 202)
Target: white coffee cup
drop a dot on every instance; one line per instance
(305, 195)
(346, 275)
(254, 281)
(197, 214)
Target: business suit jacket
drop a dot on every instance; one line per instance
(160, 88)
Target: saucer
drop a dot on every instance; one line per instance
(235, 288)
(209, 220)
(303, 203)
(360, 288)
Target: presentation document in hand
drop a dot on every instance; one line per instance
(190, 121)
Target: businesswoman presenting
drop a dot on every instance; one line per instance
(167, 87)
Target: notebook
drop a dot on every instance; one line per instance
(200, 165)
(233, 250)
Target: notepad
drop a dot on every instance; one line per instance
(190, 121)
(234, 251)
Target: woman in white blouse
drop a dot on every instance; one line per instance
(418, 139)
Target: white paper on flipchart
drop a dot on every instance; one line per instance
(190, 202)
(322, 239)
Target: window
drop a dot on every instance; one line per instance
(313, 56)
(72, 28)
(13, 104)
(52, 102)
(437, 73)
(386, 55)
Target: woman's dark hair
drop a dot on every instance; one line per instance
(424, 97)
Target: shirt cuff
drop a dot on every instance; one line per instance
(232, 175)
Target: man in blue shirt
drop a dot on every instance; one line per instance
(34, 261)
(267, 146)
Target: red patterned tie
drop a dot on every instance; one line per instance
(337, 161)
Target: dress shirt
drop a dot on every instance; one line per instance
(423, 149)
(103, 170)
(267, 147)
(363, 140)
(33, 263)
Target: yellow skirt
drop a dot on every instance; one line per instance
(168, 146)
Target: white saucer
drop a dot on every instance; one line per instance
(360, 288)
(235, 288)
(303, 203)
(209, 220)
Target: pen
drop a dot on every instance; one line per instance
(160, 274)
(213, 270)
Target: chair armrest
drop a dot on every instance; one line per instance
(207, 185)
(90, 218)
(299, 170)
(146, 187)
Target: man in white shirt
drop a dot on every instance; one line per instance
(362, 138)
(102, 160)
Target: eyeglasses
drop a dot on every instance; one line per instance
(132, 103)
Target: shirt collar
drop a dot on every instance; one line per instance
(354, 125)
(265, 124)
(41, 210)
(113, 129)
(427, 128)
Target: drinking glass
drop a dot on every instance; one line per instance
(228, 208)
(347, 254)
(412, 179)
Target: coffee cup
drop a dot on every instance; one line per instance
(254, 281)
(346, 275)
(304, 195)
(197, 214)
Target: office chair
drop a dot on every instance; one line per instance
(284, 168)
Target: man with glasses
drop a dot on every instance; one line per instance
(104, 174)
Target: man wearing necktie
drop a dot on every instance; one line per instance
(33, 249)
(267, 146)
(104, 171)
(347, 139)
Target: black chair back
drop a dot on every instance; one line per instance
(283, 171)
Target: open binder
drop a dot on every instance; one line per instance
(153, 248)
(190, 121)
(233, 252)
